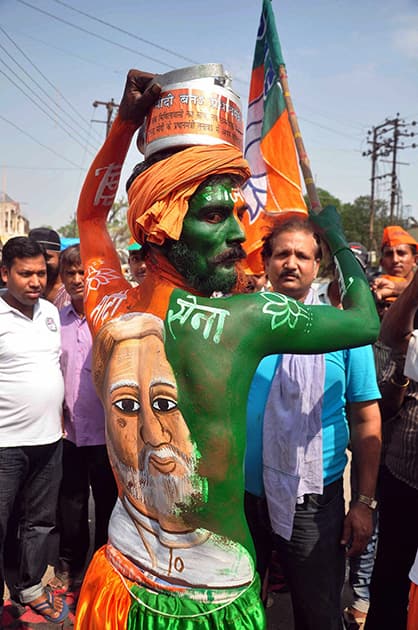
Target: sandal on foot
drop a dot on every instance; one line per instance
(60, 583)
(49, 602)
(354, 619)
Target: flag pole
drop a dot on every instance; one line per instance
(300, 147)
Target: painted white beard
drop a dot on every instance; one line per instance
(167, 494)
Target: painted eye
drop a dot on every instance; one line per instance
(215, 216)
(164, 404)
(127, 405)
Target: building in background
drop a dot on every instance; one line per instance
(12, 222)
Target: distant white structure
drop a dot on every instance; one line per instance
(12, 222)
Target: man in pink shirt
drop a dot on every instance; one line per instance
(85, 460)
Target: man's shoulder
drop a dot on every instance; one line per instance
(64, 312)
(45, 306)
(4, 307)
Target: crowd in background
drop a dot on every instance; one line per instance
(307, 411)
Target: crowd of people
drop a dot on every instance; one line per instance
(151, 393)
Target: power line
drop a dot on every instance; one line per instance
(28, 135)
(72, 54)
(121, 30)
(47, 104)
(340, 133)
(162, 48)
(105, 39)
(22, 52)
(39, 168)
(54, 120)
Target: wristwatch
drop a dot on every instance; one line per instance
(369, 501)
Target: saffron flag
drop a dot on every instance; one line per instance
(274, 188)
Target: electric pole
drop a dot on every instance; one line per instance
(110, 106)
(380, 146)
(384, 142)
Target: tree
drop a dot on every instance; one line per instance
(356, 219)
(69, 230)
(326, 199)
(116, 224)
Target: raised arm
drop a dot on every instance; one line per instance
(102, 181)
(398, 323)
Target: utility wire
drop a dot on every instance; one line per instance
(72, 54)
(340, 133)
(46, 103)
(105, 39)
(141, 39)
(22, 52)
(57, 122)
(121, 30)
(26, 133)
(28, 4)
(39, 168)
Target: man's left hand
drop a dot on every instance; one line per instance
(358, 527)
(139, 96)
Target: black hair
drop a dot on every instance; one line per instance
(142, 166)
(20, 247)
(70, 257)
(292, 225)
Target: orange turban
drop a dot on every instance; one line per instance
(394, 235)
(158, 197)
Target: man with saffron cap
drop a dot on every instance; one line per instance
(398, 260)
(180, 554)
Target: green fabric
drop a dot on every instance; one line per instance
(244, 613)
(267, 35)
(268, 54)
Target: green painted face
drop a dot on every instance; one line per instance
(210, 242)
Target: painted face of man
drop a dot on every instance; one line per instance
(294, 264)
(149, 442)
(398, 261)
(210, 242)
(26, 281)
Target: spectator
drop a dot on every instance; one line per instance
(398, 260)
(305, 413)
(31, 394)
(398, 481)
(50, 241)
(136, 262)
(85, 460)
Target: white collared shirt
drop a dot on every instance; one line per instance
(31, 383)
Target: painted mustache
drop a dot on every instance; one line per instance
(233, 254)
(163, 453)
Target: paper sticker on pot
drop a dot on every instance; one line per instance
(187, 116)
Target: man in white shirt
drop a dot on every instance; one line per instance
(31, 394)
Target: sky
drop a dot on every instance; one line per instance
(351, 64)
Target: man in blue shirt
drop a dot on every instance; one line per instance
(298, 432)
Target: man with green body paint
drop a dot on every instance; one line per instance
(189, 564)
